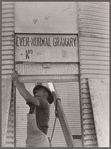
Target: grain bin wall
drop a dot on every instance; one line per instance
(93, 24)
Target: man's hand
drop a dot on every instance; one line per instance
(15, 76)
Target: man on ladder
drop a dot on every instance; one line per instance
(38, 116)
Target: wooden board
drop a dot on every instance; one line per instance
(95, 76)
(88, 30)
(95, 67)
(94, 62)
(6, 97)
(93, 22)
(95, 53)
(46, 48)
(99, 91)
(7, 52)
(9, 47)
(95, 8)
(39, 17)
(48, 78)
(94, 44)
(98, 40)
(47, 69)
(94, 35)
(95, 58)
(7, 62)
(94, 49)
(93, 13)
(101, 5)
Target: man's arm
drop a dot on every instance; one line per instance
(22, 90)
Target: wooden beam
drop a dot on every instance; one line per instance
(63, 120)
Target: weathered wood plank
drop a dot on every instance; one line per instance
(10, 10)
(8, 38)
(11, 33)
(6, 97)
(43, 55)
(5, 43)
(7, 62)
(7, 25)
(88, 127)
(59, 10)
(8, 29)
(86, 111)
(87, 116)
(94, 35)
(7, 3)
(84, 81)
(46, 68)
(94, 17)
(86, 106)
(95, 67)
(7, 72)
(89, 137)
(95, 53)
(93, 76)
(90, 142)
(92, 13)
(93, 22)
(85, 100)
(88, 121)
(7, 67)
(7, 20)
(94, 44)
(85, 96)
(101, 5)
(84, 91)
(63, 121)
(98, 40)
(95, 8)
(7, 6)
(86, 71)
(8, 52)
(7, 47)
(50, 78)
(84, 86)
(9, 57)
(94, 49)
(91, 30)
(94, 26)
(8, 15)
(94, 62)
(94, 58)
(99, 91)
(47, 48)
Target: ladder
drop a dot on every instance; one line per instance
(11, 136)
(11, 128)
(61, 116)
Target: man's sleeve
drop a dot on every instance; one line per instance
(44, 103)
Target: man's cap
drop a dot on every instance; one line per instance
(50, 97)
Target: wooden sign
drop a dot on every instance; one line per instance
(46, 48)
(46, 17)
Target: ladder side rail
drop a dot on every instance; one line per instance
(63, 122)
(62, 118)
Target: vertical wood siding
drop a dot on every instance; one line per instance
(7, 55)
(93, 24)
(7, 38)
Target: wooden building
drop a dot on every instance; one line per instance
(62, 42)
